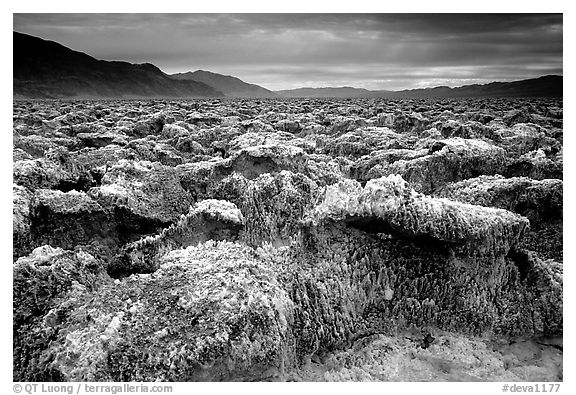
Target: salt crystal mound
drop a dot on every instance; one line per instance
(363, 141)
(538, 200)
(68, 219)
(536, 165)
(272, 204)
(448, 160)
(21, 219)
(252, 139)
(200, 178)
(42, 281)
(144, 189)
(209, 219)
(55, 170)
(210, 312)
(398, 208)
(72, 202)
(523, 138)
(219, 210)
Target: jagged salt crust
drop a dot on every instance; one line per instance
(391, 201)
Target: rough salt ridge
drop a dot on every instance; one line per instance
(392, 201)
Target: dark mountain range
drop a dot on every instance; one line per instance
(230, 86)
(546, 86)
(46, 69)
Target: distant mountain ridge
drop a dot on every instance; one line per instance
(229, 85)
(344, 91)
(545, 86)
(46, 69)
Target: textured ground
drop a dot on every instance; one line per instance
(288, 240)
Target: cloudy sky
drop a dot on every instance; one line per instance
(284, 51)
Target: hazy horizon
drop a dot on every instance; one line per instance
(287, 51)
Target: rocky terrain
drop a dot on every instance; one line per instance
(288, 239)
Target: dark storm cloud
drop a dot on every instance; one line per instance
(378, 51)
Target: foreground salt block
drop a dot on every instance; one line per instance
(210, 312)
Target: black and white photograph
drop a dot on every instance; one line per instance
(287, 197)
